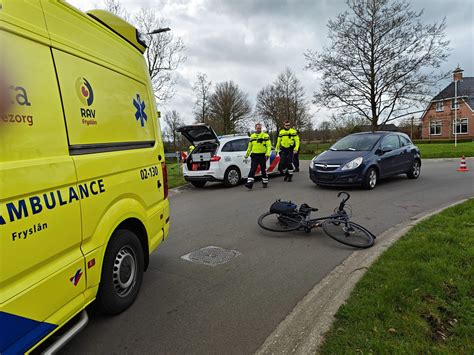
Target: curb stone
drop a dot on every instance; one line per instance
(179, 189)
(302, 331)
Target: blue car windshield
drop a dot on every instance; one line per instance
(356, 142)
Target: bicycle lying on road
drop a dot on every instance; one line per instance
(286, 216)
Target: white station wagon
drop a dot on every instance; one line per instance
(218, 159)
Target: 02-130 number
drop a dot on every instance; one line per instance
(149, 172)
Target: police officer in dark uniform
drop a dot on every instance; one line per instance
(259, 149)
(289, 142)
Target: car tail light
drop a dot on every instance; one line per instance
(215, 158)
(165, 179)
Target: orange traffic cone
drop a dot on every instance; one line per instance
(463, 165)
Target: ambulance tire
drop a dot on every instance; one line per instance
(122, 273)
(232, 176)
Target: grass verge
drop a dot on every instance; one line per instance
(428, 151)
(418, 297)
(175, 176)
(446, 150)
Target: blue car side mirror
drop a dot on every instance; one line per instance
(381, 151)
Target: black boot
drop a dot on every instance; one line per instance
(290, 177)
(265, 185)
(249, 185)
(286, 176)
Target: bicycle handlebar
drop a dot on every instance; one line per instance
(344, 199)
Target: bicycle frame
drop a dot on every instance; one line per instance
(338, 225)
(309, 223)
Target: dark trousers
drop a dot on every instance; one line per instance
(296, 160)
(286, 161)
(256, 160)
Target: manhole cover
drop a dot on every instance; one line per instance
(211, 256)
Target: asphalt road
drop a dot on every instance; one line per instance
(189, 308)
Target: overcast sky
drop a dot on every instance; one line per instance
(252, 41)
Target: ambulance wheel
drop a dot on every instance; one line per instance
(232, 176)
(122, 273)
(198, 183)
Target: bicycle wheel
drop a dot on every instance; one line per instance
(353, 235)
(279, 223)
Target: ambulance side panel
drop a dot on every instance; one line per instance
(113, 134)
(42, 275)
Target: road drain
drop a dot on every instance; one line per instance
(211, 256)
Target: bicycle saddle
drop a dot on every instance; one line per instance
(306, 207)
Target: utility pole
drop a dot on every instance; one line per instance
(411, 128)
(457, 75)
(455, 112)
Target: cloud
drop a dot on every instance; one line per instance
(252, 41)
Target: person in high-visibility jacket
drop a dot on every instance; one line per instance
(185, 156)
(259, 149)
(289, 142)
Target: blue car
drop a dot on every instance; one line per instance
(364, 158)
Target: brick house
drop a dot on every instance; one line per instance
(438, 119)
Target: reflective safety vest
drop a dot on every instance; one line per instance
(259, 144)
(288, 138)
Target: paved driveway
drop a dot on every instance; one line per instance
(188, 308)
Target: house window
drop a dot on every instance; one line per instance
(461, 126)
(435, 128)
(454, 104)
(439, 106)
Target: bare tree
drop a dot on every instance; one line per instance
(116, 7)
(268, 107)
(229, 107)
(325, 128)
(382, 60)
(164, 55)
(173, 121)
(202, 88)
(284, 100)
(295, 102)
(165, 52)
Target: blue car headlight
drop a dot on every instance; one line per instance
(355, 163)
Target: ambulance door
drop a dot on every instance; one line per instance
(41, 265)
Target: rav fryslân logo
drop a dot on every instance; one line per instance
(85, 93)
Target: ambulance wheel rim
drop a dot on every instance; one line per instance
(125, 271)
(233, 177)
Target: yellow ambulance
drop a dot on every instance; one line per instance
(83, 183)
